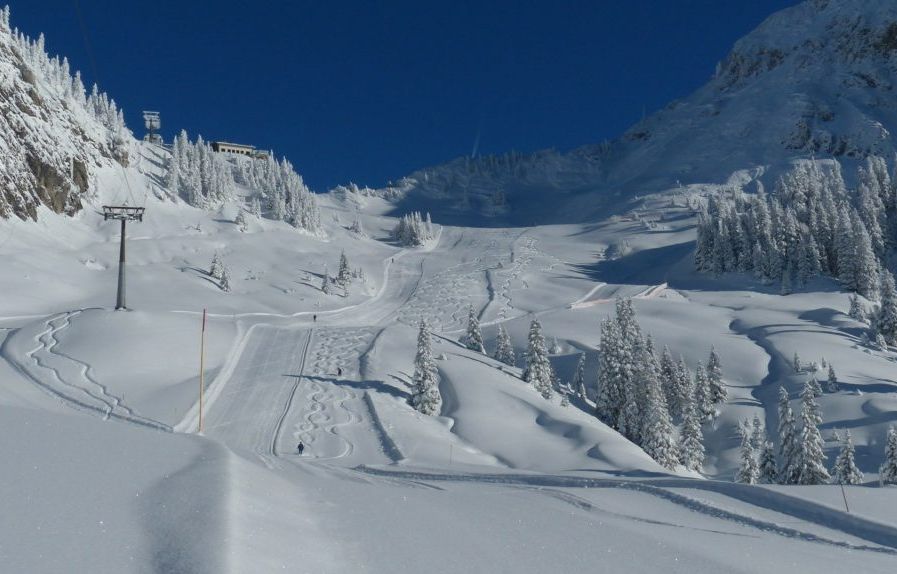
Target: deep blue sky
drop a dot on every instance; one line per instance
(368, 91)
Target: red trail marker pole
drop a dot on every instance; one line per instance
(202, 370)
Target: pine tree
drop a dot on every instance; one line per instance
(217, 267)
(748, 469)
(425, 397)
(240, 221)
(538, 371)
(565, 395)
(811, 458)
(609, 399)
(846, 471)
(344, 273)
(715, 382)
(357, 228)
(832, 382)
(668, 380)
(815, 387)
(504, 351)
(886, 318)
(224, 281)
(888, 470)
(865, 262)
(758, 434)
(788, 441)
(658, 439)
(579, 380)
(692, 448)
(796, 363)
(683, 391)
(768, 471)
(325, 284)
(702, 395)
(473, 339)
(856, 312)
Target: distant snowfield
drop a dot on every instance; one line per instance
(98, 409)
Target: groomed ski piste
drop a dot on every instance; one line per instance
(106, 469)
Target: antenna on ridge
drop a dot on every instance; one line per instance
(153, 123)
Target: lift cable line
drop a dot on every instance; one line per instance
(96, 78)
(124, 214)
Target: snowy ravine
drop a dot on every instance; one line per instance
(106, 469)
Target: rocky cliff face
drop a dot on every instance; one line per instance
(52, 134)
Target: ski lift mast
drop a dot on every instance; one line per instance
(124, 214)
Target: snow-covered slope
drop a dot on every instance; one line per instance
(107, 469)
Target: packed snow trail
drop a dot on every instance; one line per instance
(249, 409)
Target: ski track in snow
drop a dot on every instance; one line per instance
(883, 536)
(70, 379)
(442, 299)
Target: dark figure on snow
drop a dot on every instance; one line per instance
(314, 318)
(339, 371)
(300, 448)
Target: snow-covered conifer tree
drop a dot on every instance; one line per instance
(811, 458)
(788, 441)
(217, 267)
(865, 262)
(888, 470)
(669, 380)
(683, 392)
(856, 312)
(832, 382)
(504, 350)
(702, 394)
(768, 470)
(538, 371)
(846, 471)
(240, 220)
(795, 362)
(715, 382)
(224, 281)
(758, 434)
(344, 273)
(814, 385)
(748, 468)
(425, 396)
(658, 438)
(357, 228)
(691, 450)
(886, 317)
(326, 288)
(473, 339)
(579, 378)
(609, 400)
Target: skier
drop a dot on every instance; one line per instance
(315, 318)
(300, 448)
(339, 371)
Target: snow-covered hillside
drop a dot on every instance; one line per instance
(573, 456)
(53, 135)
(816, 79)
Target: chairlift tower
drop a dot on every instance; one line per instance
(124, 214)
(153, 123)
